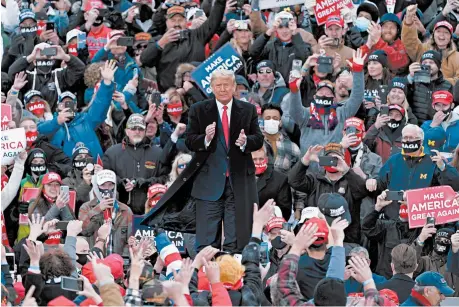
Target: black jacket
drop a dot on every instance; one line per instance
(420, 97)
(56, 160)
(189, 49)
(281, 55)
(273, 184)
(355, 39)
(315, 185)
(142, 162)
(20, 46)
(400, 284)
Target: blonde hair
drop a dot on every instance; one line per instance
(92, 74)
(172, 92)
(174, 174)
(405, 105)
(222, 73)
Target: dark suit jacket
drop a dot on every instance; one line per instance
(400, 284)
(273, 184)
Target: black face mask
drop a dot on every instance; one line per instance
(29, 31)
(447, 113)
(394, 124)
(98, 21)
(82, 259)
(106, 193)
(441, 248)
(44, 67)
(323, 102)
(38, 169)
(277, 243)
(145, 12)
(80, 164)
(410, 147)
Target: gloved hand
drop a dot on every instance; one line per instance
(23, 207)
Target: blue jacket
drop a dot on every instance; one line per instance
(411, 302)
(452, 132)
(353, 286)
(82, 127)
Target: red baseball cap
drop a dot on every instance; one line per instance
(354, 122)
(51, 177)
(398, 108)
(443, 97)
(322, 230)
(275, 222)
(444, 24)
(334, 20)
(156, 189)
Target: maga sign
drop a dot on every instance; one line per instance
(325, 8)
(225, 58)
(438, 202)
(140, 231)
(7, 115)
(13, 142)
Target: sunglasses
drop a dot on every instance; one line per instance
(141, 46)
(267, 71)
(182, 166)
(137, 129)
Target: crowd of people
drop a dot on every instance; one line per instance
(285, 186)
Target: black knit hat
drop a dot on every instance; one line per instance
(398, 82)
(370, 8)
(432, 55)
(379, 56)
(330, 292)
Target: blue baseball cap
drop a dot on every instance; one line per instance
(436, 280)
(434, 138)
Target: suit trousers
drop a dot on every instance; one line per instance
(209, 218)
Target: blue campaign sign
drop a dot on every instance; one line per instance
(225, 58)
(140, 231)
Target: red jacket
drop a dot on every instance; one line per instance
(396, 53)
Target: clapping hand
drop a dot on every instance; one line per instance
(206, 254)
(210, 132)
(242, 139)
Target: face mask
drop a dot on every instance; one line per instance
(393, 124)
(271, 126)
(330, 169)
(31, 136)
(82, 259)
(29, 31)
(261, 167)
(277, 243)
(72, 49)
(106, 193)
(441, 248)
(37, 108)
(79, 164)
(410, 147)
(38, 169)
(44, 66)
(323, 101)
(362, 24)
(447, 114)
(175, 109)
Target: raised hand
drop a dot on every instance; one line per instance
(212, 271)
(410, 14)
(108, 71)
(74, 228)
(263, 215)
(20, 80)
(304, 239)
(180, 129)
(337, 230)
(210, 132)
(36, 226)
(358, 58)
(242, 139)
(381, 201)
(206, 254)
(312, 154)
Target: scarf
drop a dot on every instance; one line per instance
(315, 122)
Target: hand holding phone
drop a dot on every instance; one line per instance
(71, 284)
(328, 161)
(394, 195)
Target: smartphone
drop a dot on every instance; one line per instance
(103, 12)
(350, 130)
(51, 51)
(50, 26)
(264, 253)
(127, 41)
(199, 13)
(384, 110)
(81, 40)
(382, 93)
(11, 261)
(65, 189)
(71, 106)
(156, 98)
(335, 42)
(394, 195)
(182, 34)
(433, 154)
(244, 94)
(62, 225)
(71, 284)
(430, 220)
(240, 3)
(328, 161)
(296, 68)
(286, 226)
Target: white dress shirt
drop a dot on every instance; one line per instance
(220, 113)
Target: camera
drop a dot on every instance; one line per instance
(284, 22)
(182, 34)
(325, 64)
(241, 25)
(127, 41)
(51, 51)
(423, 75)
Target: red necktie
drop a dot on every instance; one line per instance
(225, 125)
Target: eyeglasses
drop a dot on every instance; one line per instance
(182, 166)
(267, 71)
(142, 46)
(137, 129)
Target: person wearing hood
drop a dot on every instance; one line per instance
(146, 166)
(36, 106)
(35, 168)
(357, 36)
(104, 206)
(139, 19)
(386, 37)
(441, 41)
(279, 50)
(127, 70)
(69, 127)
(323, 121)
(140, 44)
(79, 178)
(43, 74)
(412, 169)
(420, 93)
(436, 260)
(446, 118)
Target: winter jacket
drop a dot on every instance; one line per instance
(191, 48)
(82, 127)
(50, 211)
(56, 160)
(415, 49)
(355, 39)
(400, 284)
(76, 182)
(273, 184)
(384, 142)
(142, 162)
(397, 55)
(388, 234)
(419, 96)
(93, 217)
(451, 127)
(29, 182)
(301, 116)
(453, 262)
(351, 186)
(21, 46)
(10, 191)
(353, 286)
(281, 54)
(50, 85)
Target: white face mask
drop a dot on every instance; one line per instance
(271, 126)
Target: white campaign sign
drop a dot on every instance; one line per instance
(13, 142)
(267, 4)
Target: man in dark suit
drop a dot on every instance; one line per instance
(272, 184)
(223, 132)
